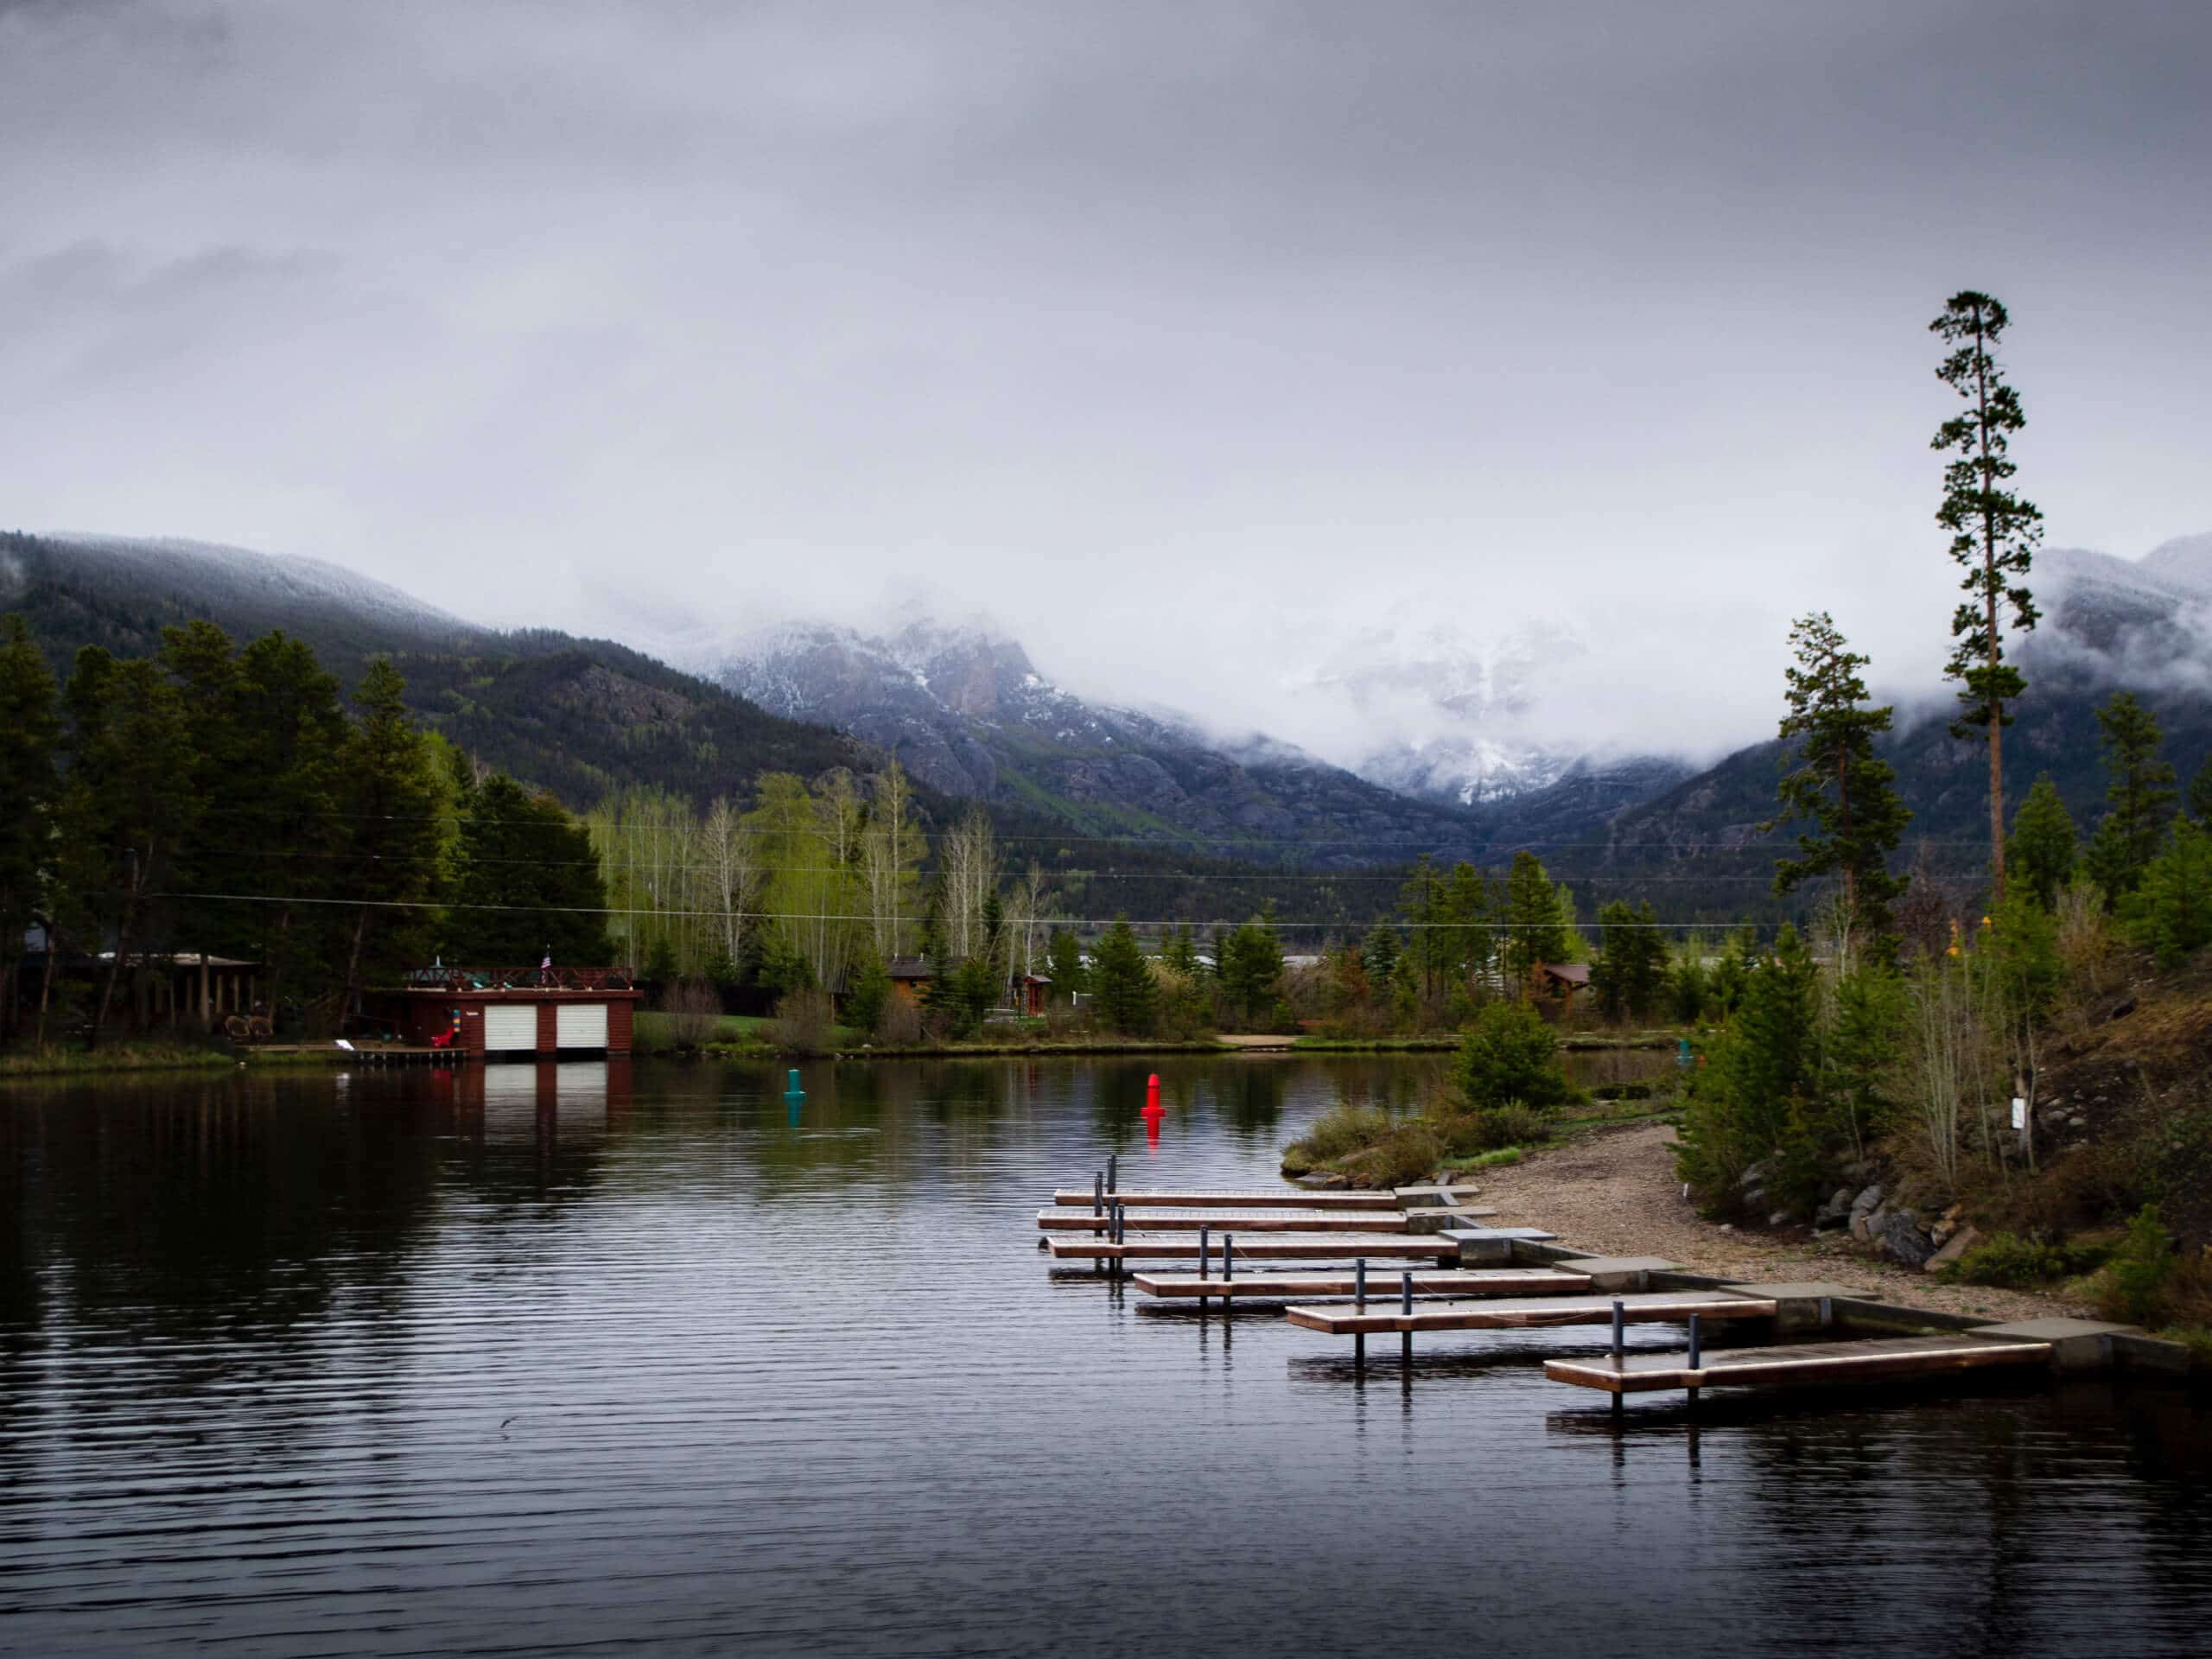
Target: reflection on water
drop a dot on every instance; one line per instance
(584, 1358)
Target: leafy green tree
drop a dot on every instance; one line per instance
(2139, 802)
(391, 801)
(1837, 782)
(1511, 1053)
(2044, 846)
(1993, 534)
(2171, 912)
(31, 734)
(1121, 982)
(1629, 978)
(1532, 930)
(529, 883)
(127, 806)
(1063, 961)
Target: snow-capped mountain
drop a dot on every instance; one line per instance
(966, 710)
(1451, 716)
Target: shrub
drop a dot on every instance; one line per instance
(1510, 1054)
(1512, 1124)
(2013, 1262)
(899, 1024)
(694, 1012)
(803, 1020)
(2134, 1284)
(1405, 1151)
(1343, 1128)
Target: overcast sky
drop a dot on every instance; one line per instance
(1198, 342)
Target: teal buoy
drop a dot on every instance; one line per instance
(1682, 1052)
(794, 1096)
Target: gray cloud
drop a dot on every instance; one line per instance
(1193, 341)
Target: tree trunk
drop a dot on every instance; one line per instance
(44, 981)
(354, 967)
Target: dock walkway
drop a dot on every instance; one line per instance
(1340, 1200)
(1657, 1307)
(1234, 1221)
(1285, 1284)
(1277, 1247)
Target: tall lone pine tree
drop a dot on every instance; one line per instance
(1993, 536)
(1838, 782)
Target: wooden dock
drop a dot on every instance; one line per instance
(1383, 1317)
(1276, 1247)
(1234, 1221)
(1284, 1284)
(1276, 1200)
(1872, 1358)
(367, 1053)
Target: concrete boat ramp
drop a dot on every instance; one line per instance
(1422, 1261)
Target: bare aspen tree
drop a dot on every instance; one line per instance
(890, 853)
(731, 872)
(970, 861)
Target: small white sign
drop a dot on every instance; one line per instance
(2019, 1112)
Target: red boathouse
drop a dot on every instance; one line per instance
(520, 1013)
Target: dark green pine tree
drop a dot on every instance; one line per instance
(127, 807)
(1378, 953)
(1993, 536)
(1629, 976)
(2044, 846)
(389, 801)
(1251, 968)
(1121, 982)
(1838, 782)
(1532, 932)
(1063, 961)
(527, 883)
(2139, 801)
(2200, 794)
(30, 732)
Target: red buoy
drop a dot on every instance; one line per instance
(1153, 1111)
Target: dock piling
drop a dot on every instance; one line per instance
(1359, 1283)
(1097, 1192)
(1695, 1362)
(1112, 1159)
(1406, 1306)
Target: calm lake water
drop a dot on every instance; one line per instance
(587, 1359)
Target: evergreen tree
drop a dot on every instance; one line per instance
(1122, 982)
(1470, 907)
(2200, 794)
(867, 990)
(389, 798)
(127, 807)
(30, 732)
(1758, 1098)
(1993, 535)
(2042, 847)
(1532, 932)
(529, 883)
(2140, 800)
(1510, 1054)
(1251, 971)
(2171, 912)
(1629, 976)
(929, 942)
(1837, 782)
(1379, 955)
(1063, 961)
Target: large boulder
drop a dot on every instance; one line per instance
(1900, 1237)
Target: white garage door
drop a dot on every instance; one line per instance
(582, 1025)
(507, 1029)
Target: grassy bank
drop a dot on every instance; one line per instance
(56, 1062)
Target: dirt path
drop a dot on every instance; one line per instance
(1614, 1192)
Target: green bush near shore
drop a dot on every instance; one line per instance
(2012, 1262)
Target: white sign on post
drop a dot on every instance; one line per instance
(2019, 1112)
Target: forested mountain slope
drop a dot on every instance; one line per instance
(578, 716)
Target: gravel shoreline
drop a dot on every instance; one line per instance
(1614, 1192)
